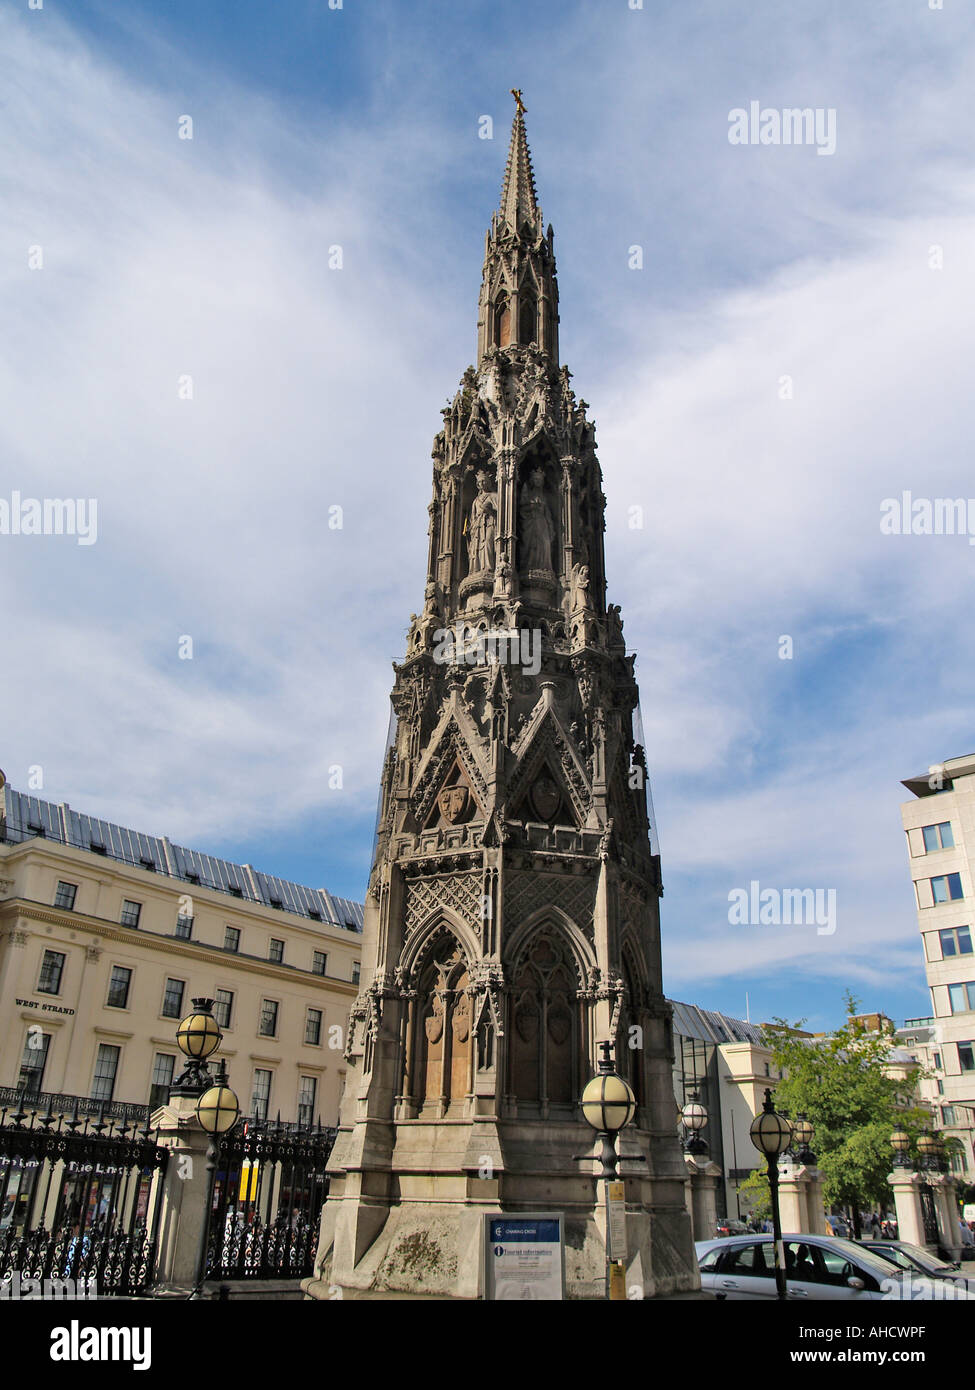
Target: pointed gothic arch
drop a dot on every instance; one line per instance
(437, 1059)
(547, 1030)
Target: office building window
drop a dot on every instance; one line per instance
(966, 1056)
(65, 896)
(355, 972)
(118, 987)
(131, 912)
(938, 836)
(269, 1019)
(184, 926)
(163, 1069)
(962, 997)
(956, 941)
(33, 1062)
(106, 1070)
(52, 968)
(319, 962)
(937, 1061)
(223, 1007)
(231, 939)
(946, 888)
(261, 1093)
(313, 1027)
(306, 1100)
(276, 950)
(173, 999)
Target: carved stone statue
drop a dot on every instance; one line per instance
(483, 527)
(537, 531)
(580, 599)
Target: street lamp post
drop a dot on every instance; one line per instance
(802, 1134)
(217, 1110)
(900, 1142)
(772, 1134)
(694, 1117)
(608, 1103)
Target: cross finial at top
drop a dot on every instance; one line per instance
(516, 93)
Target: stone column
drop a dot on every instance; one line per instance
(946, 1210)
(907, 1205)
(701, 1195)
(792, 1198)
(184, 1191)
(815, 1205)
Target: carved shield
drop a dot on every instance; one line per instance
(453, 803)
(545, 797)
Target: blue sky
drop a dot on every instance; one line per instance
(313, 387)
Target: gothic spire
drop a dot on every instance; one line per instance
(518, 201)
(519, 295)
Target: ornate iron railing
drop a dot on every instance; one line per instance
(53, 1102)
(271, 1184)
(79, 1199)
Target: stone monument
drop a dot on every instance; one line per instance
(511, 916)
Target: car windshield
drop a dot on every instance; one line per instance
(923, 1257)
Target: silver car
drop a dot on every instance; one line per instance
(817, 1268)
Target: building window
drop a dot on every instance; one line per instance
(962, 997)
(355, 972)
(956, 941)
(313, 1027)
(131, 912)
(937, 1061)
(184, 926)
(106, 1069)
(948, 1115)
(275, 951)
(966, 1056)
(118, 987)
(231, 939)
(223, 1006)
(33, 1062)
(941, 1087)
(269, 1019)
(65, 896)
(319, 962)
(937, 836)
(52, 968)
(946, 888)
(261, 1093)
(173, 999)
(163, 1067)
(306, 1100)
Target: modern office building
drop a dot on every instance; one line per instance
(940, 826)
(107, 934)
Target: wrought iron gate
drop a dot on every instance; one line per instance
(270, 1186)
(79, 1198)
(929, 1215)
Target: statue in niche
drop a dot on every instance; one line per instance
(614, 622)
(537, 531)
(483, 527)
(580, 599)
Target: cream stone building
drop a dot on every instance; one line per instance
(106, 935)
(940, 825)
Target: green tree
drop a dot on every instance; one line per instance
(843, 1083)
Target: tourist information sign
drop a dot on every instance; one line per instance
(524, 1257)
